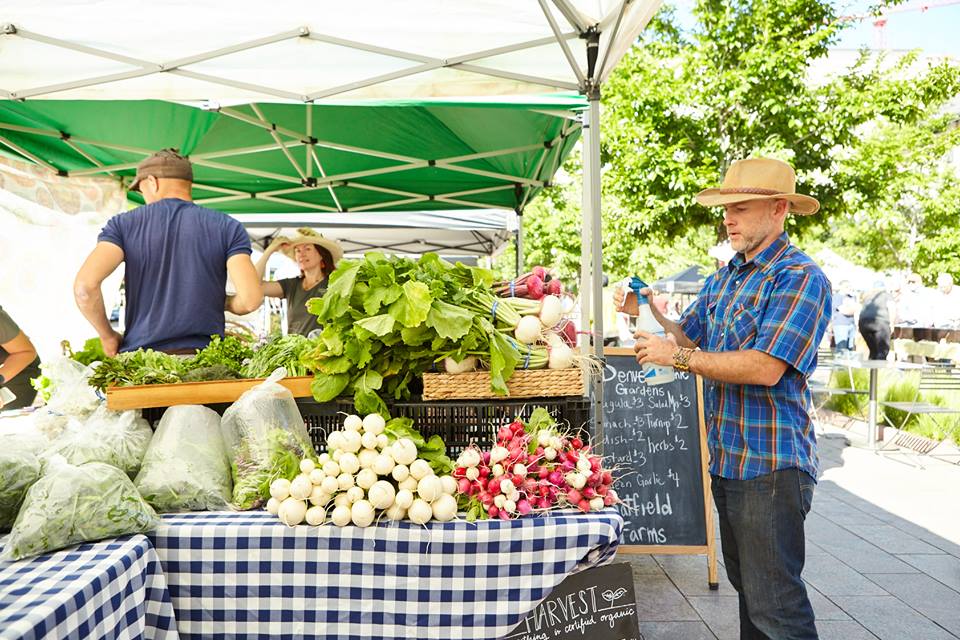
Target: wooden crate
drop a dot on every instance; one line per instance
(166, 395)
(538, 383)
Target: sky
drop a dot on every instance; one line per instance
(935, 31)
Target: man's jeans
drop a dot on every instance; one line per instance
(844, 337)
(761, 532)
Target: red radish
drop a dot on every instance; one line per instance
(523, 507)
(553, 287)
(609, 500)
(573, 496)
(493, 486)
(556, 477)
(589, 493)
(460, 472)
(492, 511)
(584, 506)
(463, 485)
(484, 472)
(576, 443)
(602, 490)
(607, 477)
(486, 457)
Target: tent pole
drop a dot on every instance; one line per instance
(592, 157)
(519, 243)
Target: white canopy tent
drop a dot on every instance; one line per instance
(454, 234)
(227, 52)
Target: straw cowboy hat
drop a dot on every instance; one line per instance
(305, 235)
(759, 179)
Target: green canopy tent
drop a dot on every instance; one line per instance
(279, 158)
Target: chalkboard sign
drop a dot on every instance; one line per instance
(598, 604)
(655, 435)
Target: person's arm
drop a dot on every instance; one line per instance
(270, 288)
(102, 261)
(243, 274)
(736, 367)
(20, 353)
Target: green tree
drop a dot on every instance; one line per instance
(743, 81)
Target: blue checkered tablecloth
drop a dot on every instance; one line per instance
(112, 589)
(245, 575)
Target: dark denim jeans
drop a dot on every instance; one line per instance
(761, 532)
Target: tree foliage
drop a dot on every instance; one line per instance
(748, 79)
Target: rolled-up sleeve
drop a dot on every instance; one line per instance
(693, 320)
(795, 318)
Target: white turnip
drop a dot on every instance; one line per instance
(551, 311)
(381, 494)
(361, 513)
(344, 481)
(464, 366)
(366, 478)
(374, 423)
(315, 516)
(330, 485)
(449, 484)
(351, 441)
(280, 489)
(273, 506)
(383, 465)
(368, 440)
(349, 463)
(307, 465)
(341, 516)
(430, 488)
(301, 487)
(561, 357)
(444, 508)
(528, 330)
(354, 494)
(331, 468)
(317, 476)
(420, 469)
(366, 457)
(292, 511)
(396, 512)
(404, 451)
(404, 498)
(408, 483)
(400, 472)
(419, 512)
(352, 423)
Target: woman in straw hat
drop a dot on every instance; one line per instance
(753, 333)
(317, 258)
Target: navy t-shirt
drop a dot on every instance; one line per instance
(175, 254)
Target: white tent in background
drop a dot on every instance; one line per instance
(453, 234)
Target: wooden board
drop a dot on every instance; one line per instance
(166, 395)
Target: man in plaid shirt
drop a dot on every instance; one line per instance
(753, 334)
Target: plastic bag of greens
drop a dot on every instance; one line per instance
(70, 504)
(19, 468)
(63, 385)
(266, 439)
(186, 466)
(118, 438)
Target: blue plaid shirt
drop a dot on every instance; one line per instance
(778, 303)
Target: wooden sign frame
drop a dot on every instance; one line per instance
(709, 549)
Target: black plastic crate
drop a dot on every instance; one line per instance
(458, 422)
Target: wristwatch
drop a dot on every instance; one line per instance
(681, 358)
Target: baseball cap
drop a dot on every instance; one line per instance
(166, 163)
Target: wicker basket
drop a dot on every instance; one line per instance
(539, 383)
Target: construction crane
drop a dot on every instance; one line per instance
(881, 17)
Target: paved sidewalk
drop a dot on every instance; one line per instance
(883, 556)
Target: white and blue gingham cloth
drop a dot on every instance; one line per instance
(246, 575)
(111, 589)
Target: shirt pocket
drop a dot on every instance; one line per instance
(741, 333)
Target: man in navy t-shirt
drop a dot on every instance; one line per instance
(178, 256)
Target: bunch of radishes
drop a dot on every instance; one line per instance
(533, 285)
(362, 473)
(532, 467)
